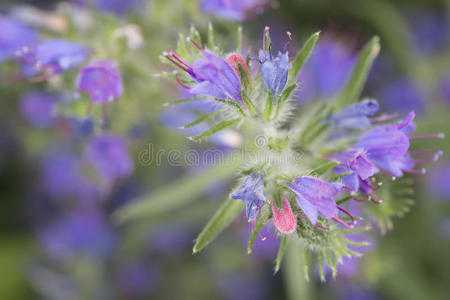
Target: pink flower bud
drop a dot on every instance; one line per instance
(234, 59)
(285, 220)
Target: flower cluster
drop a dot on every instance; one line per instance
(346, 151)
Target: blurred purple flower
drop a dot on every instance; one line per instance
(136, 279)
(38, 107)
(101, 80)
(266, 244)
(251, 192)
(235, 10)
(401, 95)
(315, 196)
(242, 286)
(109, 155)
(117, 7)
(444, 88)
(430, 31)
(51, 57)
(438, 181)
(82, 233)
(327, 70)
(13, 37)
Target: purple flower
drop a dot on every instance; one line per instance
(80, 233)
(430, 31)
(236, 10)
(357, 162)
(38, 107)
(52, 57)
(326, 71)
(386, 147)
(251, 192)
(315, 196)
(137, 279)
(213, 75)
(13, 37)
(274, 71)
(355, 115)
(101, 80)
(109, 156)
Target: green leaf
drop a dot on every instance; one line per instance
(210, 37)
(268, 106)
(233, 104)
(280, 253)
(229, 210)
(239, 39)
(331, 262)
(302, 57)
(248, 102)
(320, 263)
(243, 75)
(201, 119)
(176, 194)
(195, 36)
(325, 167)
(283, 97)
(216, 128)
(181, 46)
(262, 220)
(354, 86)
(183, 101)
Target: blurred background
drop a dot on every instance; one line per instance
(58, 195)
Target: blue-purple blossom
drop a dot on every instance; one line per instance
(52, 57)
(355, 115)
(438, 181)
(444, 88)
(13, 37)
(251, 192)
(360, 166)
(108, 154)
(236, 10)
(101, 80)
(213, 75)
(274, 71)
(38, 108)
(386, 147)
(315, 196)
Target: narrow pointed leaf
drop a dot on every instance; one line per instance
(232, 103)
(280, 254)
(320, 263)
(262, 220)
(323, 168)
(268, 107)
(201, 119)
(354, 86)
(243, 75)
(214, 129)
(176, 194)
(210, 37)
(248, 102)
(302, 57)
(229, 210)
(183, 101)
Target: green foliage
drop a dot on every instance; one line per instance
(262, 220)
(280, 254)
(214, 129)
(227, 212)
(302, 57)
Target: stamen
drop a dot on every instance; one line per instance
(413, 171)
(426, 153)
(190, 72)
(359, 200)
(321, 227)
(177, 57)
(266, 30)
(383, 117)
(348, 214)
(377, 199)
(342, 222)
(428, 136)
(195, 44)
(184, 86)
